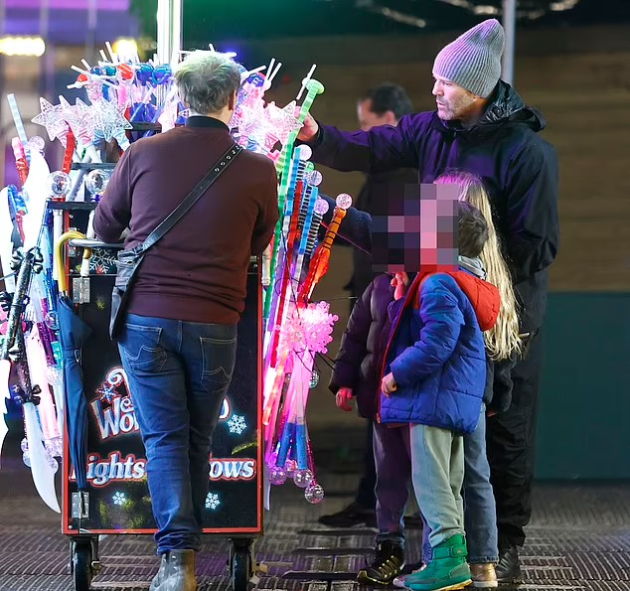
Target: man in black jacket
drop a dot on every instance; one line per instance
(381, 106)
(482, 125)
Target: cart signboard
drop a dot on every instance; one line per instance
(118, 499)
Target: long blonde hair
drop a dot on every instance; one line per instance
(502, 340)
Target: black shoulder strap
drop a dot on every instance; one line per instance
(184, 207)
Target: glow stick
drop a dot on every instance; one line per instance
(320, 261)
(314, 88)
(20, 159)
(17, 119)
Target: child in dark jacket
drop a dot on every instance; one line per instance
(357, 375)
(357, 371)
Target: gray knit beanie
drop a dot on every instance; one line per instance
(473, 60)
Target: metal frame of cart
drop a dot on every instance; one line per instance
(238, 473)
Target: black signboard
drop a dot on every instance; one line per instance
(119, 500)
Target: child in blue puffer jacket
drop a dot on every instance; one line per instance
(434, 380)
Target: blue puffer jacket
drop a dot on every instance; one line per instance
(436, 351)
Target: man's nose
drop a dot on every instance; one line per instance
(437, 88)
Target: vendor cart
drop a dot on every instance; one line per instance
(115, 500)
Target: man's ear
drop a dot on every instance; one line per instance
(232, 101)
(390, 118)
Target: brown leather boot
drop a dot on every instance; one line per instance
(179, 572)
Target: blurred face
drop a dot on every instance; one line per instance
(368, 119)
(454, 103)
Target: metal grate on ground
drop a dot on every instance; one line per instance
(579, 540)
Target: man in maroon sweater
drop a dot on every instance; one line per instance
(178, 346)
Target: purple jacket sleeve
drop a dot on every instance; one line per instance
(353, 345)
(355, 228)
(442, 322)
(381, 149)
(113, 212)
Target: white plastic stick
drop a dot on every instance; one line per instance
(274, 74)
(111, 52)
(92, 76)
(271, 65)
(305, 81)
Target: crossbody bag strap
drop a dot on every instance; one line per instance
(184, 207)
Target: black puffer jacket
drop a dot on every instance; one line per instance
(360, 358)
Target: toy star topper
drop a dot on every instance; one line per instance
(51, 118)
(79, 119)
(108, 123)
(281, 122)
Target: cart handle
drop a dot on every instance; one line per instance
(87, 253)
(90, 243)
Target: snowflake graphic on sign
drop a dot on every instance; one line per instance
(237, 424)
(102, 258)
(119, 498)
(212, 501)
(107, 393)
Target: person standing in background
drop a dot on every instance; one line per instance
(380, 106)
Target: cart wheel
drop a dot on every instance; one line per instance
(82, 565)
(241, 564)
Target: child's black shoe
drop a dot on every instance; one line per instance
(388, 563)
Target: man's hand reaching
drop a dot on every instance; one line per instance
(309, 130)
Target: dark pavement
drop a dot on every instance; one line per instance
(579, 540)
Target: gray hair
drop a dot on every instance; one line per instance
(206, 80)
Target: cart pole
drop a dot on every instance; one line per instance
(169, 38)
(509, 24)
(169, 31)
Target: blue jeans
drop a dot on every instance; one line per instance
(480, 516)
(178, 374)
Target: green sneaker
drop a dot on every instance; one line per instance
(447, 571)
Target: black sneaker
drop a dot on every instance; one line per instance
(509, 567)
(386, 566)
(353, 514)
